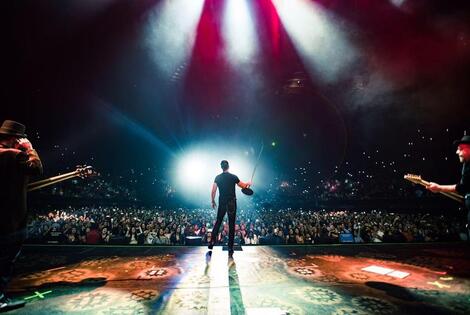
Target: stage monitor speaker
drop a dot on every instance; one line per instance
(193, 240)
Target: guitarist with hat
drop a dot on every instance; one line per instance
(463, 186)
(18, 161)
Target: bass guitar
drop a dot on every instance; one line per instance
(81, 171)
(416, 179)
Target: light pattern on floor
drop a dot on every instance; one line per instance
(297, 280)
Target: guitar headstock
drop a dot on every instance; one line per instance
(85, 171)
(413, 178)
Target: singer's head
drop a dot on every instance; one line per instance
(224, 165)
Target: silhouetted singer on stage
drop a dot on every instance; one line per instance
(18, 161)
(226, 182)
(463, 187)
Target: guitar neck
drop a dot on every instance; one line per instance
(51, 181)
(454, 196)
(451, 195)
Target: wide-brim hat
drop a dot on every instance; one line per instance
(465, 140)
(13, 128)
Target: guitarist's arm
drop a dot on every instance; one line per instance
(435, 188)
(28, 158)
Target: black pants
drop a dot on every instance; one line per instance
(229, 207)
(467, 205)
(10, 248)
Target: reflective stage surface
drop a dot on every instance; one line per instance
(335, 279)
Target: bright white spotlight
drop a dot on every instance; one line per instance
(192, 169)
(239, 30)
(171, 32)
(318, 39)
(198, 167)
(397, 3)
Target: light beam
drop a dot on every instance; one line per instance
(171, 33)
(320, 42)
(239, 31)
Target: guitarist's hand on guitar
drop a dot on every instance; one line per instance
(447, 190)
(23, 144)
(434, 187)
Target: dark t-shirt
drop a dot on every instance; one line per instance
(226, 183)
(463, 187)
(16, 167)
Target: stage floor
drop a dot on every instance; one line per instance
(401, 279)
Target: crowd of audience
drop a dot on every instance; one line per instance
(369, 173)
(145, 226)
(96, 188)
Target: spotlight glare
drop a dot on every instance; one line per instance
(397, 3)
(192, 169)
(319, 41)
(196, 169)
(171, 32)
(239, 30)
